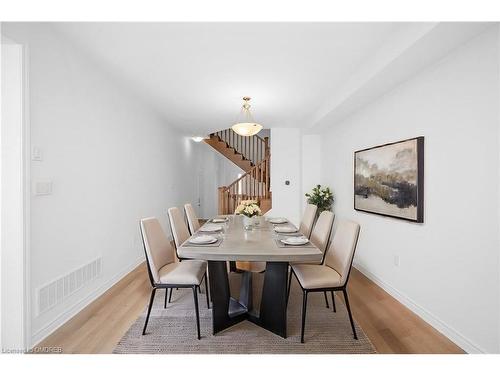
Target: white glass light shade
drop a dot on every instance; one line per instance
(246, 129)
(197, 139)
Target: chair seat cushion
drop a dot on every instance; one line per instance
(312, 276)
(187, 272)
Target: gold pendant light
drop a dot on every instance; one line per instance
(246, 126)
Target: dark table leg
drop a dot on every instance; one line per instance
(273, 304)
(246, 290)
(226, 311)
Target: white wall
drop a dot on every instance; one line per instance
(449, 266)
(111, 161)
(312, 165)
(12, 282)
(214, 170)
(285, 159)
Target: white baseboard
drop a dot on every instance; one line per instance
(427, 316)
(62, 318)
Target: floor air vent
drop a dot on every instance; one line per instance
(58, 290)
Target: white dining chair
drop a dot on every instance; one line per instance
(320, 236)
(333, 274)
(192, 219)
(307, 222)
(180, 231)
(164, 272)
(322, 230)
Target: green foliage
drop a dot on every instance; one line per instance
(321, 197)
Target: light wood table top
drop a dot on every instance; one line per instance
(257, 245)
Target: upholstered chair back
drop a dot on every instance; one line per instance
(159, 251)
(179, 228)
(339, 255)
(322, 229)
(192, 219)
(307, 221)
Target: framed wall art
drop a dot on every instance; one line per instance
(389, 180)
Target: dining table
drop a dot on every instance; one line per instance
(261, 243)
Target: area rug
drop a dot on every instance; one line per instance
(173, 330)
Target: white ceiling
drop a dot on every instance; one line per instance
(196, 73)
(298, 74)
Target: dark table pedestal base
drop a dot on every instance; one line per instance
(227, 311)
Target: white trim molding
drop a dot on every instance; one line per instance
(423, 313)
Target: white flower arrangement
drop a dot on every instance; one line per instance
(248, 209)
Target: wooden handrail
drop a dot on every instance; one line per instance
(249, 173)
(254, 184)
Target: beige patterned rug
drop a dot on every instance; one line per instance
(173, 330)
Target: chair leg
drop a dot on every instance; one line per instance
(170, 296)
(289, 286)
(349, 311)
(304, 308)
(206, 292)
(333, 301)
(166, 295)
(195, 296)
(153, 292)
(326, 300)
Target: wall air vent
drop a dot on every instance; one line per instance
(57, 291)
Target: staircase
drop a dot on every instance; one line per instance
(252, 154)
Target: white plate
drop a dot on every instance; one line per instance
(210, 228)
(285, 229)
(278, 220)
(295, 241)
(203, 240)
(219, 220)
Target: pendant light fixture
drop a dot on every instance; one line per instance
(245, 125)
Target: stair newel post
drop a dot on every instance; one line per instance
(221, 200)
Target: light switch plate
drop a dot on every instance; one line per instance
(36, 154)
(396, 260)
(43, 187)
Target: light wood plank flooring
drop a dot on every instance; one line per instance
(391, 327)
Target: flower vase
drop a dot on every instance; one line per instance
(248, 222)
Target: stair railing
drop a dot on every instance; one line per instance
(254, 185)
(252, 148)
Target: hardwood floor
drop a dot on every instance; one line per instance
(391, 327)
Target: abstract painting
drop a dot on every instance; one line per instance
(389, 180)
